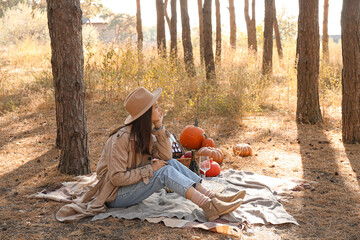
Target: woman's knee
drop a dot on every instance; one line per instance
(166, 169)
(172, 162)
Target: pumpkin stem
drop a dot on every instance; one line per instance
(205, 135)
(196, 122)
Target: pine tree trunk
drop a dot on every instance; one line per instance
(232, 24)
(218, 32)
(268, 38)
(308, 107)
(140, 37)
(277, 34)
(186, 39)
(208, 48)
(173, 29)
(166, 15)
(250, 25)
(325, 37)
(161, 40)
(67, 60)
(350, 37)
(201, 30)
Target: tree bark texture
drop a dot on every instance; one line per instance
(166, 15)
(161, 40)
(277, 34)
(67, 60)
(308, 107)
(250, 25)
(325, 37)
(268, 38)
(208, 48)
(218, 32)
(140, 37)
(350, 32)
(186, 39)
(201, 30)
(232, 24)
(173, 30)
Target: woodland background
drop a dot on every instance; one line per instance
(237, 97)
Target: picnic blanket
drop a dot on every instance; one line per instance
(261, 204)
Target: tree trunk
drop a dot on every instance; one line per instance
(173, 30)
(166, 15)
(208, 49)
(268, 38)
(67, 61)
(350, 37)
(250, 25)
(186, 39)
(161, 40)
(140, 37)
(232, 24)
(325, 37)
(218, 33)
(277, 34)
(308, 107)
(201, 30)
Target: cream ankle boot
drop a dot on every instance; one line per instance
(215, 208)
(231, 198)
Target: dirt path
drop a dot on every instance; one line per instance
(330, 209)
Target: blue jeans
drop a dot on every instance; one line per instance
(175, 176)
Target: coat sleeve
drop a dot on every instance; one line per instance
(117, 164)
(162, 145)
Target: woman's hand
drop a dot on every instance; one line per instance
(157, 164)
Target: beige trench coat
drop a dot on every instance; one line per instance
(118, 166)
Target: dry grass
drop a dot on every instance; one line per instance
(329, 210)
(28, 160)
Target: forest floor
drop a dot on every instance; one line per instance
(329, 209)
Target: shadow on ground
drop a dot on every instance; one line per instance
(322, 207)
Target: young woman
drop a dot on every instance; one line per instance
(136, 162)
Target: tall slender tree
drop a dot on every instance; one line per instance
(166, 15)
(186, 39)
(350, 38)
(277, 33)
(268, 38)
(160, 29)
(173, 30)
(218, 32)
(232, 24)
(201, 31)
(325, 35)
(67, 61)
(308, 107)
(140, 37)
(250, 25)
(208, 49)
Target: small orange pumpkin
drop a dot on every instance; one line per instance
(214, 153)
(207, 142)
(192, 136)
(242, 150)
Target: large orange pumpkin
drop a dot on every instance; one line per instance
(214, 153)
(192, 136)
(242, 150)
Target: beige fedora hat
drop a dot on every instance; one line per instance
(139, 101)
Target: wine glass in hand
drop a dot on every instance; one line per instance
(204, 163)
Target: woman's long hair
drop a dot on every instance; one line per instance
(141, 132)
